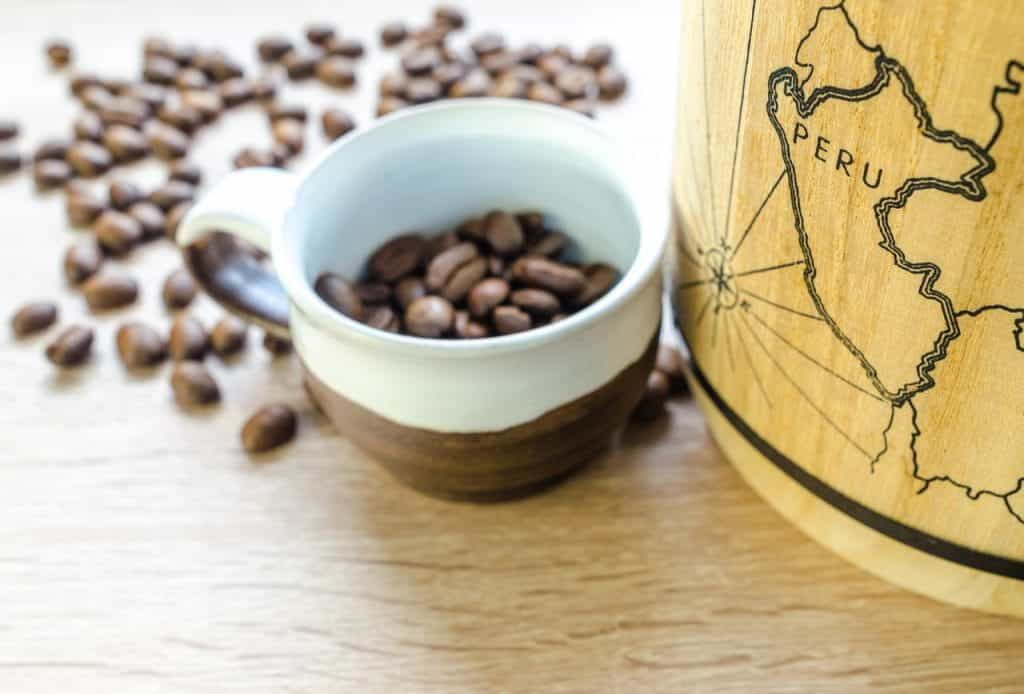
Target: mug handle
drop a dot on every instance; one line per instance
(249, 204)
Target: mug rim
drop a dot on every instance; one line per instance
(288, 258)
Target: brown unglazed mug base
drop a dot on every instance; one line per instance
(498, 465)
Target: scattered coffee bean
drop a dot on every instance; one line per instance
(79, 83)
(408, 290)
(272, 48)
(551, 65)
(125, 143)
(50, 174)
(290, 133)
(252, 157)
(117, 232)
(173, 219)
(510, 319)
(421, 61)
(54, 149)
(486, 44)
(185, 171)
(188, 340)
(319, 33)
(165, 141)
(339, 295)
(172, 193)
(393, 85)
(140, 346)
(180, 117)
(72, 347)
(476, 83)
(545, 94)
(270, 427)
(150, 218)
(577, 83)
(611, 82)
(59, 53)
(179, 290)
(336, 123)
(429, 316)
(88, 126)
(670, 363)
(393, 33)
(445, 75)
(218, 65)
(499, 62)
(235, 92)
(598, 55)
(346, 47)
(193, 385)
(390, 104)
(652, 402)
(278, 112)
(422, 90)
(277, 346)
(152, 95)
(207, 103)
(8, 129)
(109, 290)
(450, 16)
(89, 159)
(486, 296)
(228, 336)
(300, 63)
(264, 89)
(509, 86)
(83, 206)
(10, 161)
(125, 110)
(157, 47)
(33, 318)
(82, 260)
(123, 194)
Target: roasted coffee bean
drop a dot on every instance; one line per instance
(422, 90)
(449, 15)
(528, 74)
(270, 427)
(52, 150)
(340, 295)
(373, 293)
(599, 278)
(551, 65)
(447, 74)
(89, 159)
(429, 316)
(336, 123)
(319, 33)
(471, 229)
(550, 244)
(300, 63)
(345, 47)
(276, 112)
(445, 264)
(281, 154)
(83, 207)
(611, 82)
(272, 48)
(670, 363)
(185, 171)
(185, 55)
(117, 232)
(598, 55)
(469, 329)
(495, 266)
(218, 65)
(383, 318)
(191, 78)
(193, 385)
(545, 94)
(79, 83)
(439, 243)
(390, 104)
(59, 53)
(235, 92)
(157, 47)
(181, 117)
(486, 44)
(82, 260)
(532, 224)
(150, 217)
(125, 110)
(179, 290)
(530, 53)
(419, 62)
(393, 33)
(510, 319)
(152, 95)
(537, 302)
(543, 273)
(498, 62)
(50, 174)
(140, 346)
(563, 50)
(509, 87)
(503, 233)
(408, 290)
(88, 126)
(173, 219)
(172, 193)
(33, 318)
(228, 336)
(393, 85)
(109, 290)
(486, 296)
(397, 258)
(188, 340)
(577, 83)
(290, 133)
(250, 157)
(207, 102)
(165, 141)
(10, 161)
(584, 107)
(125, 143)
(476, 83)
(464, 279)
(652, 402)
(159, 70)
(123, 194)
(264, 88)
(278, 346)
(72, 347)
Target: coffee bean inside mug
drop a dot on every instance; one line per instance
(496, 274)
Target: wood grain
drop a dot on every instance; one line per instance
(142, 551)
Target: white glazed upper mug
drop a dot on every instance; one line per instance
(478, 419)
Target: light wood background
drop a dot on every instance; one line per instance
(140, 550)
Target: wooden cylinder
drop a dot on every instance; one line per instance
(849, 275)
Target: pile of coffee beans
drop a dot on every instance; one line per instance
(498, 274)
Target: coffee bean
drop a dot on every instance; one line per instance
(598, 55)
(218, 65)
(277, 346)
(440, 243)
(486, 44)
(125, 110)
(109, 290)
(125, 143)
(117, 232)
(52, 150)
(185, 171)
(272, 48)
(503, 233)
(123, 194)
(82, 260)
(542, 273)
(336, 123)
(345, 47)
(157, 47)
(340, 295)
(140, 346)
(59, 53)
(486, 296)
(447, 74)
(509, 319)
(476, 83)
(419, 62)
(290, 133)
(150, 217)
(159, 70)
(264, 88)
(545, 94)
(83, 207)
(193, 385)
(498, 62)
(599, 279)
(207, 103)
(33, 318)
(174, 217)
(577, 83)
(564, 51)
(172, 193)
(252, 157)
(495, 266)
(50, 174)
(397, 258)
(235, 92)
(165, 141)
(611, 82)
(584, 107)
(191, 78)
(471, 229)
(188, 340)
(179, 290)
(89, 159)
(537, 302)
(532, 224)
(408, 290)
(652, 402)
(185, 55)
(444, 265)
(393, 33)
(79, 83)
(670, 363)
(550, 244)
(152, 95)
(464, 279)
(551, 65)
(422, 90)
(429, 316)
(509, 87)
(276, 112)
(390, 104)
(280, 154)
(72, 346)
(450, 16)
(393, 85)
(383, 318)
(88, 126)
(319, 33)
(300, 63)
(10, 161)
(228, 336)
(469, 329)
(373, 293)
(270, 427)
(530, 53)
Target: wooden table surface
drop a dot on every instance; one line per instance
(140, 550)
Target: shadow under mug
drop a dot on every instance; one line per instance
(471, 419)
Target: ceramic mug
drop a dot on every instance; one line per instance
(477, 419)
